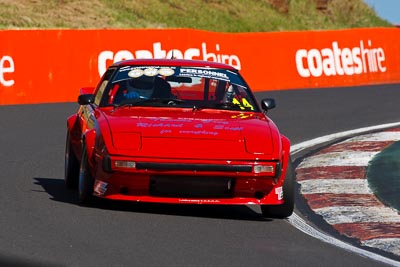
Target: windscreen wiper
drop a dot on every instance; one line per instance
(146, 102)
(227, 105)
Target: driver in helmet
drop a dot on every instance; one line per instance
(141, 87)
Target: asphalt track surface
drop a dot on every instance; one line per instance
(41, 223)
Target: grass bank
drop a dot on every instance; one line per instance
(213, 15)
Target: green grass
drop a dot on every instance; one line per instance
(212, 15)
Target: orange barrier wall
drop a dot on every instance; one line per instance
(38, 66)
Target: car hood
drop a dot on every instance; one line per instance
(207, 134)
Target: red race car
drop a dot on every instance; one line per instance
(178, 131)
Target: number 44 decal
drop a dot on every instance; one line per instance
(244, 104)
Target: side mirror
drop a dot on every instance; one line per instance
(86, 99)
(267, 104)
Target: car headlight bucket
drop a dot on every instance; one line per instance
(264, 169)
(269, 169)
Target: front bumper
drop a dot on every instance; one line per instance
(209, 186)
(189, 182)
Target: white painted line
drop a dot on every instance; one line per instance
(391, 245)
(345, 158)
(327, 138)
(376, 137)
(358, 214)
(303, 226)
(335, 186)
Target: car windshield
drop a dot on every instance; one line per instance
(180, 87)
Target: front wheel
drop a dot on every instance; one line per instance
(286, 209)
(86, 181)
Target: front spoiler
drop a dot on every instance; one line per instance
(275, 197)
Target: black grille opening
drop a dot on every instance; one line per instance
(193, 167)
(192, 186)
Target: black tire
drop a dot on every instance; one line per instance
(71, 173)
(286, 209)
(86, 181)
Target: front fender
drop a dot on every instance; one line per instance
(71, 121)
(285, 149)
(89, 142)
(285, 157)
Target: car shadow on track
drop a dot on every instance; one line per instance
(58, 192)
